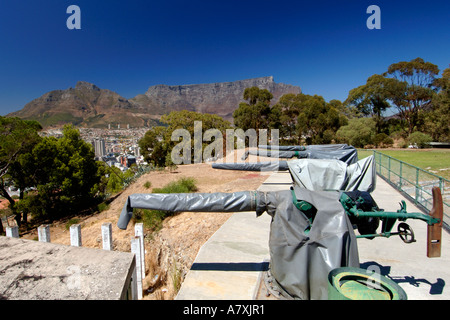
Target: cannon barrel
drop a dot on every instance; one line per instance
(256, 166)
(284, 148)
(345, 153)
(303, 148)
(193, 202)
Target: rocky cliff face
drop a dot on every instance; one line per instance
(216, 98)
(87, 105)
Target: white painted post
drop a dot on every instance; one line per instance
(44, 233)
(136, 249)
(107, 236)
(75, 235)
(12, 232)
(139, 232)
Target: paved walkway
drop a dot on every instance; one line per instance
(229, 264)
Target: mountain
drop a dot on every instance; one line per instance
(89, 106)
(85, 105)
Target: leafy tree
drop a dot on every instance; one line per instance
(17, 138)
(286, 111)
(318, 120)
(255, 113)
(156, 145)
(66, 176)
(438, 119)
(372, 98)
(412, 88)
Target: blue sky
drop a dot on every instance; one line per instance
(126, 46)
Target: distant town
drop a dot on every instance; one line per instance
(117, 146)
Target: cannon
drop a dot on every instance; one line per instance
(343, 152)
(318, 174)
(311, 232)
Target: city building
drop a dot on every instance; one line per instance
(99, 148)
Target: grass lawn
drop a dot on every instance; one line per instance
(433, 160)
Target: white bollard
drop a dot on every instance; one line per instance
(136, 249)
(44, 233)
(139, 232)
(12, 232)
(107, 236)
(75, 235)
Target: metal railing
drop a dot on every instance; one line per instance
(415, 183)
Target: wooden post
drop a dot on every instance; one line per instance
(75, 235)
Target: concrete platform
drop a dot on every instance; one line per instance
(421, 277)
(32, 270)
(229, 264)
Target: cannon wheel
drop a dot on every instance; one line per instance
(406, 233)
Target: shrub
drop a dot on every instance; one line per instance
(383, 140)
(147, 185)
(184, 185)
(419, 139)
(71, 222)
(102, 207)
(359, 132)
(153, 219)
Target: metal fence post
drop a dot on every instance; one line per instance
(401, 175)
(389, 169)
(417, 186)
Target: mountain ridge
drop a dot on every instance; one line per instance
(87, 105)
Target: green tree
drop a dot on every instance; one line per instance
(17, 138)
(156, 145)
(438, 119)
(412, 91)
(286, 112)
(318, 120)
(372, 98)
(255, 113)
(66, 176)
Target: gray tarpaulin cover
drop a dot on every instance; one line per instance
(302, 148)
(316, 174)
(301, 254)
(254, 166)
(343, 152)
